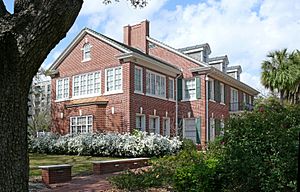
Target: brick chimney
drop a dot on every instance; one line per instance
(135, 36)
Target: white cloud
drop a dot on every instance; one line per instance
(244, 30)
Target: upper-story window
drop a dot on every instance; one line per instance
(138, 79)
(171, 88)
(113, 80)
(86, 52)
(86, 84)
(189, 89)
(62, 88)
(222, 93)
(211, 89)
(155, 84)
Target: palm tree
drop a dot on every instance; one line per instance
(281, 73)
(272, 71)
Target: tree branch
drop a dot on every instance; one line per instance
(3, 10)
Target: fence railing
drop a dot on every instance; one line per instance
(240, 106)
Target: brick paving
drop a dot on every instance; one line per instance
(90, 183)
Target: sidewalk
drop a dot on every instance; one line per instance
(90, 183)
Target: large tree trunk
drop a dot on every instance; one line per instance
(26, 38)
(13, 126)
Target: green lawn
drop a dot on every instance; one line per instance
(81, 164)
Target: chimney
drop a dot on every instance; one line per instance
(135, 36)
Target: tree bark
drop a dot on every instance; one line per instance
(26, 38)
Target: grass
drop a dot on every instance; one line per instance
(81, 164)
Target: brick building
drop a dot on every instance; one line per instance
(102, 85)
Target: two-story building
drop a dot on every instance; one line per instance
(102, 85)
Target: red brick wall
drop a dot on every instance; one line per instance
(102, 57)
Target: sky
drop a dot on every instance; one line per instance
(244, 30)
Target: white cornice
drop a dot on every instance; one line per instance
(150, 63)
(217, 74)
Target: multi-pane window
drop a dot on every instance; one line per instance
(138, 79)
(62, 88)
(113, 79)
(171, 88)
(166, 127)
(140, 122)
(222, 92)
(155, 84)
(190, 89)
(81, 124)
(86, 52)
(154, 125)
(86, 84)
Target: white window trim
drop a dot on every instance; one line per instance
(56, 89)
(136, 91)
(83, 52)
(244, 98)
(144, 121)
(183, 125)
(172, 79)
(183, 90)
(158, 126)
(86, 116)
(222, 90)
(212, 97)
(114, 91)
(162, 76)
(86, 95)
(169, 121)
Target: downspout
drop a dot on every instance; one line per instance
(176, 100)
(206, 107)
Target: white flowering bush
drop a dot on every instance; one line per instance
(111, 144)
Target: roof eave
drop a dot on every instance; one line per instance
(216, 73)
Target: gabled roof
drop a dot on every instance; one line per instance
(118, 45)
(200, 63)
(195, 47)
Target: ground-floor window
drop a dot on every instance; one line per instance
(190, 129)
(212, 129)
(166, 126)
(140, 122)
(81, 124)
(154, 124)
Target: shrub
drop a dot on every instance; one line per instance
(189, 170)
(97, 144)
(260, 149)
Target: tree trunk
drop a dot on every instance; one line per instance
(13, 127)
(26, 38)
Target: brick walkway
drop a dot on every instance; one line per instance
(90, 183)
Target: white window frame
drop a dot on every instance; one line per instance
(212, 90)
(234, 102)
(250, 99)
(184, 127)
(141, 87)
(244, 98)
(86, 85)
(85, 51)
(222, 92)
(168, 126)
(173, 91)
(157, 126)
(184, 87)
(143, 122)
(156, 94)
(89, 130)
(114, 91)
(63, 98)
